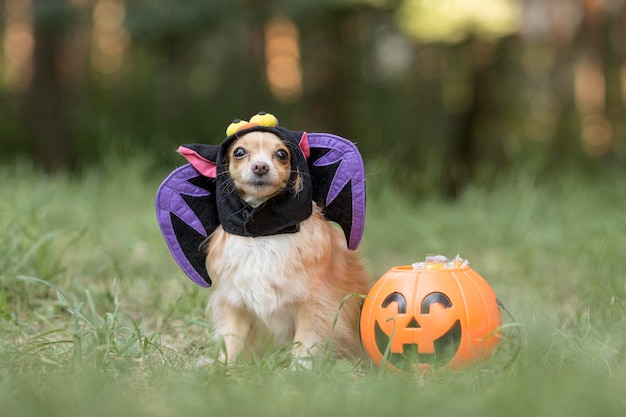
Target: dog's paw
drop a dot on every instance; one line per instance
(301, 363)
(204, 362)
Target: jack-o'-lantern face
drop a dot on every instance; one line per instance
(428, 332)
(413, 319)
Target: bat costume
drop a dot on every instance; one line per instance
(198, 197)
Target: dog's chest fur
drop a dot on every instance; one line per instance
(268, 275)
(252, 273)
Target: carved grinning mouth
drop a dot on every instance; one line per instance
(445, 348)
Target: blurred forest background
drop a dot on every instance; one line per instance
(446, 91)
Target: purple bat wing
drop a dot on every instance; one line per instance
(338, 176)
(186, 212)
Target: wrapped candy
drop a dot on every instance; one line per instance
(439, 262)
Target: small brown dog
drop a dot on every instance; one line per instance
(291, 284)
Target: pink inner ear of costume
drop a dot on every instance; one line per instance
(201, 164)
(304, 145)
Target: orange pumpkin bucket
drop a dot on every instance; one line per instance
(414, 318)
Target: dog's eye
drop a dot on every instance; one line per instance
(239, 153)
(282, 155)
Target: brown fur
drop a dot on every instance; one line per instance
(289, 284)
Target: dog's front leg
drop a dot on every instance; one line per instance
(312, 334)
(231, 325)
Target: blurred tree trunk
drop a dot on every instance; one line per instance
(46, 98)
(253, 58)
(327, 71)
(461, 155)
(590, 80)
(586, 81)
(615, 64)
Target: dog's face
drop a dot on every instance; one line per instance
(259, 164)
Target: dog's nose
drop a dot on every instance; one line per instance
(260, 168)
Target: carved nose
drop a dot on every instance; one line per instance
(260, 168)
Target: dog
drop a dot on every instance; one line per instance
(294, 286)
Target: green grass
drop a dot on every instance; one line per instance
(97, 319)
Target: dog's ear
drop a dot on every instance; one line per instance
(298, 182)
(201, 157)
(304, 145)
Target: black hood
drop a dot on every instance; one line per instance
(281, 213)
